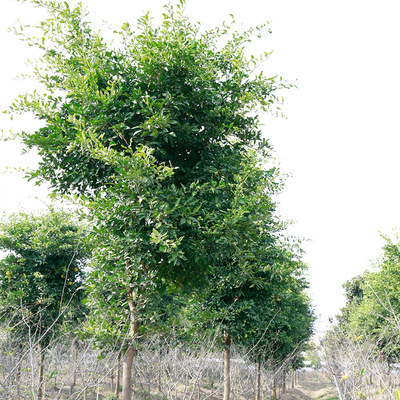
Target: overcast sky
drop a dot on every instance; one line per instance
(340, 141)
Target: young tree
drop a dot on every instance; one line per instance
(367, 337)
(373, 302)
(150, 133)
(256, 293)
(290, 331)
(41, 276)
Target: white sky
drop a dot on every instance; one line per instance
(340, 140)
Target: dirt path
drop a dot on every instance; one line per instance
(322, 390)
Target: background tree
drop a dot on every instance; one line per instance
(363, 347)
(354, 293)
(256, 277)
(374, 308)
(42, 273)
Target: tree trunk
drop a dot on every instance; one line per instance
(339, 390)
(274, 386)
(130, 352)
(117, 376)
(283, 381)
(74, 351)
(293, 379)
(41, 374)
(258, 384)
(227, 366)
(18, 376)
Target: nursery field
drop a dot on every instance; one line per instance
(160, 267)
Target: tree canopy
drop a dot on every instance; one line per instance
(42, 272)
(186, 94)
(158, 123)
(373, 301)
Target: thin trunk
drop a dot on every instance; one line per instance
(338, 388)
(283, 381)
(198, 390)
(117, 376)
(293, 379)
(41, 374)
(18, 376)
(159, 369)
(130, 352)
(337, 383)
(74, 358)
(274, 386)
(258, 387)
(227, 366)
(159, 382)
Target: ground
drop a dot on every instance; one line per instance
(320, 389)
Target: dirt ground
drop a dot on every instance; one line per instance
(321, 390)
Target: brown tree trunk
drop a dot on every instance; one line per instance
(258, 384)
(130, 352)
(41, 374)
(283, 381)
(227, 366)
(117, 376)
(274, 387)
(293, 379)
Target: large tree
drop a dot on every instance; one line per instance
(150, 132)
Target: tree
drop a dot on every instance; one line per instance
(41, 275)
(260, 308)
(255, 298)
(354, 293)
(374, 307)
(150, 134)
(292, 328)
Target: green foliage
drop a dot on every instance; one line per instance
(354, 291)
(186, 94)
(354, 294)
(256, 288)
(373, 301)
(42, 272)
(312, 355)
(158, 136)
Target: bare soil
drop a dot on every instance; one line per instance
(309, 390)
